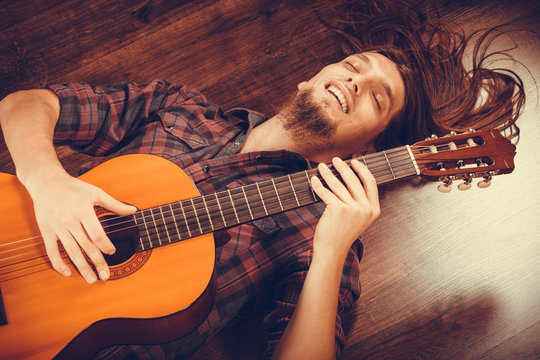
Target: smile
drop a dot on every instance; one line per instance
(340, 97)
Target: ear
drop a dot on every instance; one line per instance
(302, 85)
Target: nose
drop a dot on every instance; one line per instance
(354, 84)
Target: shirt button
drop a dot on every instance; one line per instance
(170, 127)
(206, 169)
(237, 143)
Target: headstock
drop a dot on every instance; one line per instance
(464, 157)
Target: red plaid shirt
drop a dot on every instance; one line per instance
(267, 258)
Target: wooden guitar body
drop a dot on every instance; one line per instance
(45, 311)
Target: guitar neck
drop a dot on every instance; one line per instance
(192, 217)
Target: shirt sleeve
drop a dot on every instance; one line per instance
(288, 293)
(98, 120)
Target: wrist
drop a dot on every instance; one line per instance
(328, 258)
(37, 177)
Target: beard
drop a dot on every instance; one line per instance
(307, 124)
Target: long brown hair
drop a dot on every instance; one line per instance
(441, 94)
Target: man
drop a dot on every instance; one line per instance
(405, 88)
(338, 112)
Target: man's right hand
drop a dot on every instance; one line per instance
(64, 209)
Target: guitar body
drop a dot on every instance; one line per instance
(155, 296)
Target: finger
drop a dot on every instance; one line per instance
(110, 203)
(333, 183)
(51, 247)
(326, 195)
(97, 234)
(76, 256)
(92, 251)
(368, 180)
(350, 179)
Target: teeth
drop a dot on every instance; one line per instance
(339, 95)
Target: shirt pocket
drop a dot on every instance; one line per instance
(185, 126)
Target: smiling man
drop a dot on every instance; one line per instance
(338, 112)
(306, 261)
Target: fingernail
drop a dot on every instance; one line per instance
(104, 274)
(66, 272)
(90, 278)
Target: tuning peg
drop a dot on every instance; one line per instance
(486, 182)
(466, 184)
(433, 136)
(446, 186)
(471, 130)
(451, 133)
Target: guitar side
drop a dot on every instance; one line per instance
(45, 310)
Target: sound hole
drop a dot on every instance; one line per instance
(123, 234)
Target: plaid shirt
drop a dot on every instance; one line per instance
(266, 258)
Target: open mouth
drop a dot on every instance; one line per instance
(340, 97)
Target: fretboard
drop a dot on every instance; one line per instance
(188, 218)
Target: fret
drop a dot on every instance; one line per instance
(208, 212)
(135, 220)
(262, 200)
(185, 218)
(155, 227)
(165, 225)
(247, 202)
(293, 190)
(309, 184)
(220, 210)
(175, 223)
(146, 228)
(234, 207)
(196, 216)
(389, 166)
(277, 194)
(228, 215)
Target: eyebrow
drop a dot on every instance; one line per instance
(387, 89)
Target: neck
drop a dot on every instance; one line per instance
(272, 136)
(269, 136)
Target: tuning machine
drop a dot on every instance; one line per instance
(466, 184)
(486, 182)
(446, 185)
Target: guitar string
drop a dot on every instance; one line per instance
(374, 170)
(271, 191)
(378, 158)
(167, 218)
(302, 192)
(212, 210)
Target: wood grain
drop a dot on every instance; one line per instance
(444, 276)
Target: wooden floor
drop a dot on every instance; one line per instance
(444, 276)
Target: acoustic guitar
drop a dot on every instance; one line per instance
(161, 275)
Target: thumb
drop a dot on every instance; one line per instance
(118, 207)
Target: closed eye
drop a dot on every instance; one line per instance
(352, 67)
(377, 101)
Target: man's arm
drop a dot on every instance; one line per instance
(349, 211)
(64, 206)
